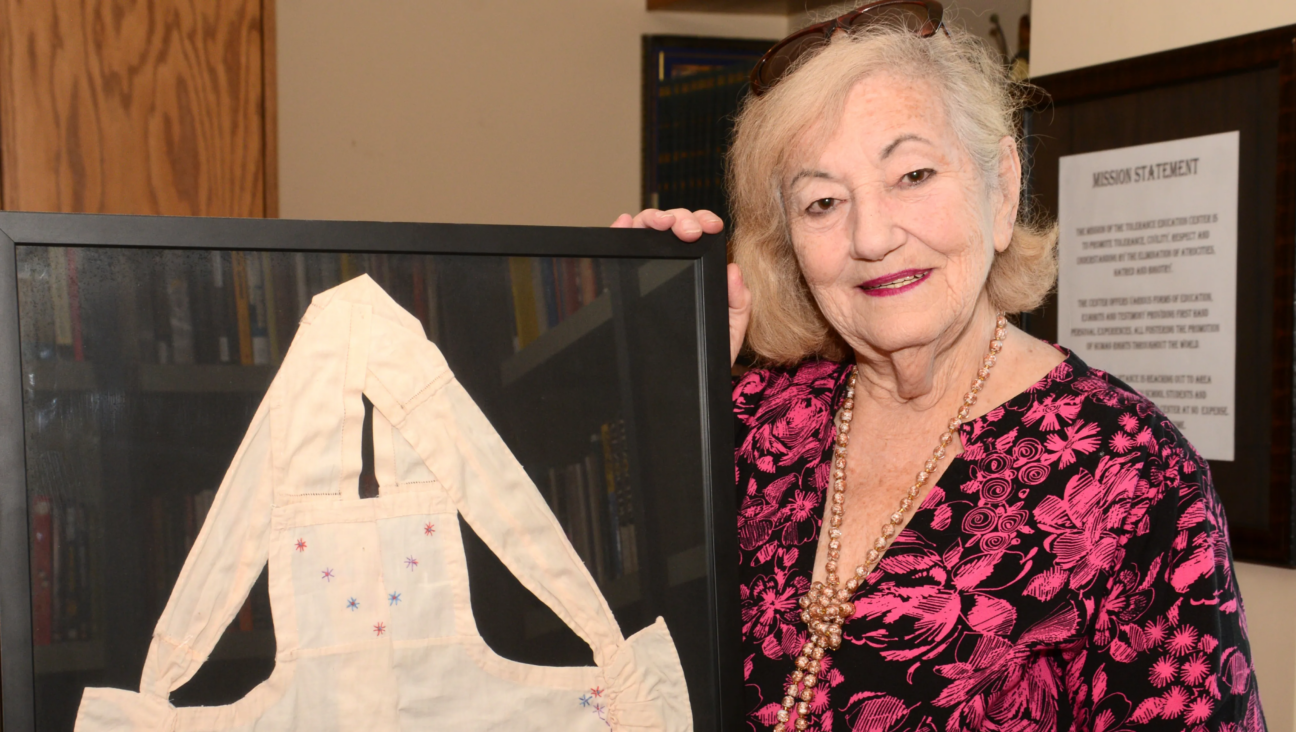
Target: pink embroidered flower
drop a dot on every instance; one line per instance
(1183, 640)
(1080, 437)
(1174, 702)
(1120, 443)
(1199, 710)
(1163, 672)
(1157, 630)
(1195, 669)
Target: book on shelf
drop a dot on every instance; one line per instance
(547, 291)
(593, 501)
(183, 307)
(63, 607)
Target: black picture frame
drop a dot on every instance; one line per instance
(707, 258)
(1247, 83)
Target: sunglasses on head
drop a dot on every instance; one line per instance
(921, 16)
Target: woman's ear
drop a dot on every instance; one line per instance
(1008, 197)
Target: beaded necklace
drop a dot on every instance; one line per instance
(827, 604)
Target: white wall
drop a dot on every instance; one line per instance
(1069, 35)
(499, 111)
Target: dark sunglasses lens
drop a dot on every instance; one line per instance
(914, 16)
(777, 65)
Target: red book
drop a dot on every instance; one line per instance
(42, 571)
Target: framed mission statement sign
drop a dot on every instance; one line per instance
(1173, 180)
(1147, 275)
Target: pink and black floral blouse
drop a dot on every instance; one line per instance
(1070, 570)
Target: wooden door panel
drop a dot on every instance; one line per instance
(134, 106)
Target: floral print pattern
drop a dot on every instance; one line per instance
(1069, 571)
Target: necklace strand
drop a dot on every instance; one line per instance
(827, 605)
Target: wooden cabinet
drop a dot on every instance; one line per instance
(138, 106)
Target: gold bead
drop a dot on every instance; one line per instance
(836, 521)
(805, 617)
(897, 518)
(803, 708)
(889, 530)
(797, 675)
(834, 534)
(810, 682)
(872, 557)
(788, 702)
(806, 694)
(905, 504)
(851, 584)
(801, 724)
(913, 491)
(832, 566)
(879, 544)
(848, 609)
(817, 654)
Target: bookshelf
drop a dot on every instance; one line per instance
(142, 369)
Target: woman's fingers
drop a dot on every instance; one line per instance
(740, 300)
(685, 224)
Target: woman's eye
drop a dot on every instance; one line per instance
(821, 205)
(917, 176)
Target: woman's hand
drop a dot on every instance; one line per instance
(690, 226)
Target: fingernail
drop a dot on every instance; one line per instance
(690, 228)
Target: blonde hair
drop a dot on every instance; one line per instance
(982, 103)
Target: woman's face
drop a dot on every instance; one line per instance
(892, 225)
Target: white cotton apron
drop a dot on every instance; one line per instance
(373, 625)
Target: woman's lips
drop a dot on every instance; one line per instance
(894, 284)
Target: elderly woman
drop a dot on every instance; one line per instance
(945, 523)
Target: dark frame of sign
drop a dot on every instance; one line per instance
(1246, 84)
(696, 274)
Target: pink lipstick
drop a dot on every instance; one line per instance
(894, 284)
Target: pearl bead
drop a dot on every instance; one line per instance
(905, 504)
(803, 708)
(834, 534)
(888, 531)
(804, 601)
(851, 584)
(872, 557)
(897, 518)
(780, 727)
(788, 702)
(781, 716)
(801, 724)
(848, 610)
(817, 654)
(832, 565)
(807, 694)
(836, 521)
(797, 675)
(879, 544)
(810, 682)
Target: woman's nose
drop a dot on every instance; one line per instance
(874, 233)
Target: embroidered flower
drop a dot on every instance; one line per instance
(1163, 671)
(1183, 640)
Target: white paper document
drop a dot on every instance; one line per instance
(1147, 286)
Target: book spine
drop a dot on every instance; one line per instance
(609, 481)
(538, 295)
(588, 281)
(203, 306)
(62, 306)
(591, 487)
(257, 311)
(179, 315)
(42, 571)
(524, 314)
(303, 290)
(271, 321)
(224, 318)
(74, 304)
(239, 278)
(548, 279)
